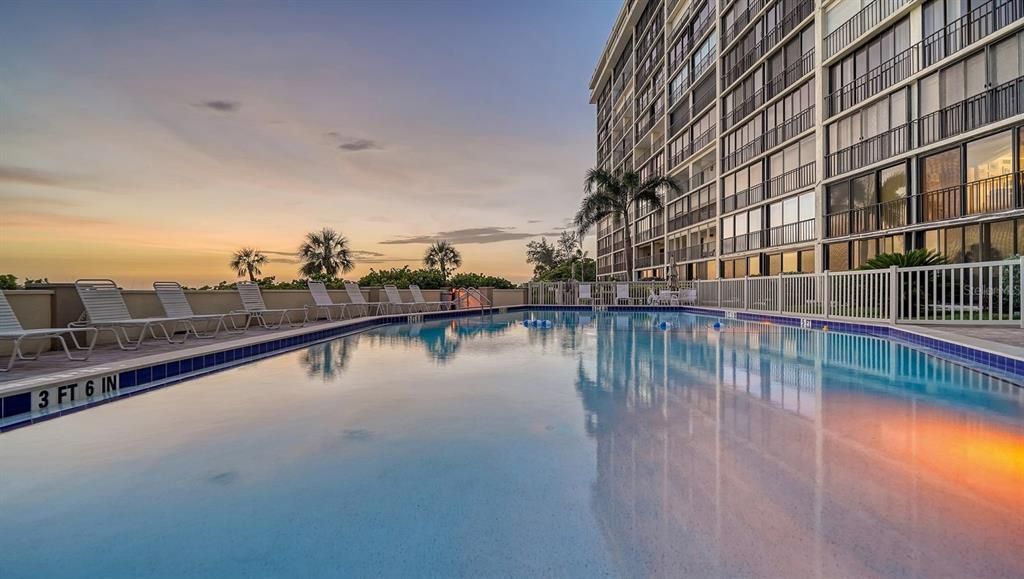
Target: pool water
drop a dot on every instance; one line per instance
(606, 445)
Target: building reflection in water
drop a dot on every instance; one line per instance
(764, 451)
(440, 340)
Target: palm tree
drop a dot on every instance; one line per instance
(325, 254)
(442, 256)
(618, 194)
(248, 261)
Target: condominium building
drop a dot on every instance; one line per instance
(809, 135)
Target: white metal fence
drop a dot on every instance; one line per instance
(976, 293)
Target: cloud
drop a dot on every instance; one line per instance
(533, 220)
(221, 106)
(469, 236)
(366, 256)
(22, 176)
(360, 145)
(352, 144)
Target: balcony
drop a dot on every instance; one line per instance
(788, 182)
(869, 151)
(768, 41)
(771, 89)
(956, 36)
(771, 139)
(698, 143)
(877, 217)
(992, 195)
(693, 252)
(650, 260)
(741, 20)
(970, 28)
(744, 242)
(791, 233)
(860, 23)
(990, 106)
(993, 105)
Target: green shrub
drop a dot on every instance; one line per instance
(401, 277)
(479, 280)
(8, 281)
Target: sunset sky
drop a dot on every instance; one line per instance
(146, 141)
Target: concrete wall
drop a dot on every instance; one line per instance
(33, 308)
(508, 297)
(58, 305)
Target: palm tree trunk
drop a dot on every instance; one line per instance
(628, 239)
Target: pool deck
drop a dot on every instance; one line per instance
(54, 367)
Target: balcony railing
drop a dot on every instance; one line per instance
(770, 139)
(744, 242)
(699, 142)
(771, 89)
(990, 106)
(979, 23)
(791, 233)
(703, 96)
(741, 19)
(993, 105)
(768, 41)
(991, 195)
(874, 81)
(871, 150)
(860, 23)
(650, 260)
(876, 217)
(970, 28)
(788, 182)
(692, 252)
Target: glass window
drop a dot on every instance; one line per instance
(806, 206)
(975, 74)
(864, 193)
(839, 257)
(972, 243)
(807, 261)
(941, 170)
(753, 265)
(1000, 240)
(954, 250)
(894, 183)
(1006, 58)
(953, 84)
(775, 264)
(789, 262)
(990, 157)
(929, 89)
(839, 197)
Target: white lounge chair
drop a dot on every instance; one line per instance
(583, 293)
(252, 301)
(12, 330)
(355, 296)
(323, 302)
(395, 300)
(417, 296)
(622, 293)
(105, 310)
(176, 305)
(688, 296)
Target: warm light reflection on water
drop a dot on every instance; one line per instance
(602, 446)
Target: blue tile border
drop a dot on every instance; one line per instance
(144, 379)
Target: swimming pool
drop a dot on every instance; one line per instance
(608, 444)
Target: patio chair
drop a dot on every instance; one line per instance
(105, 310)
(355, 296)
(688, 296)
(255, 309)
(12, 330)
(323, 302)
(176, 305)
(395, 300)
(583, 293)
(417, 297)
(622, 293)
